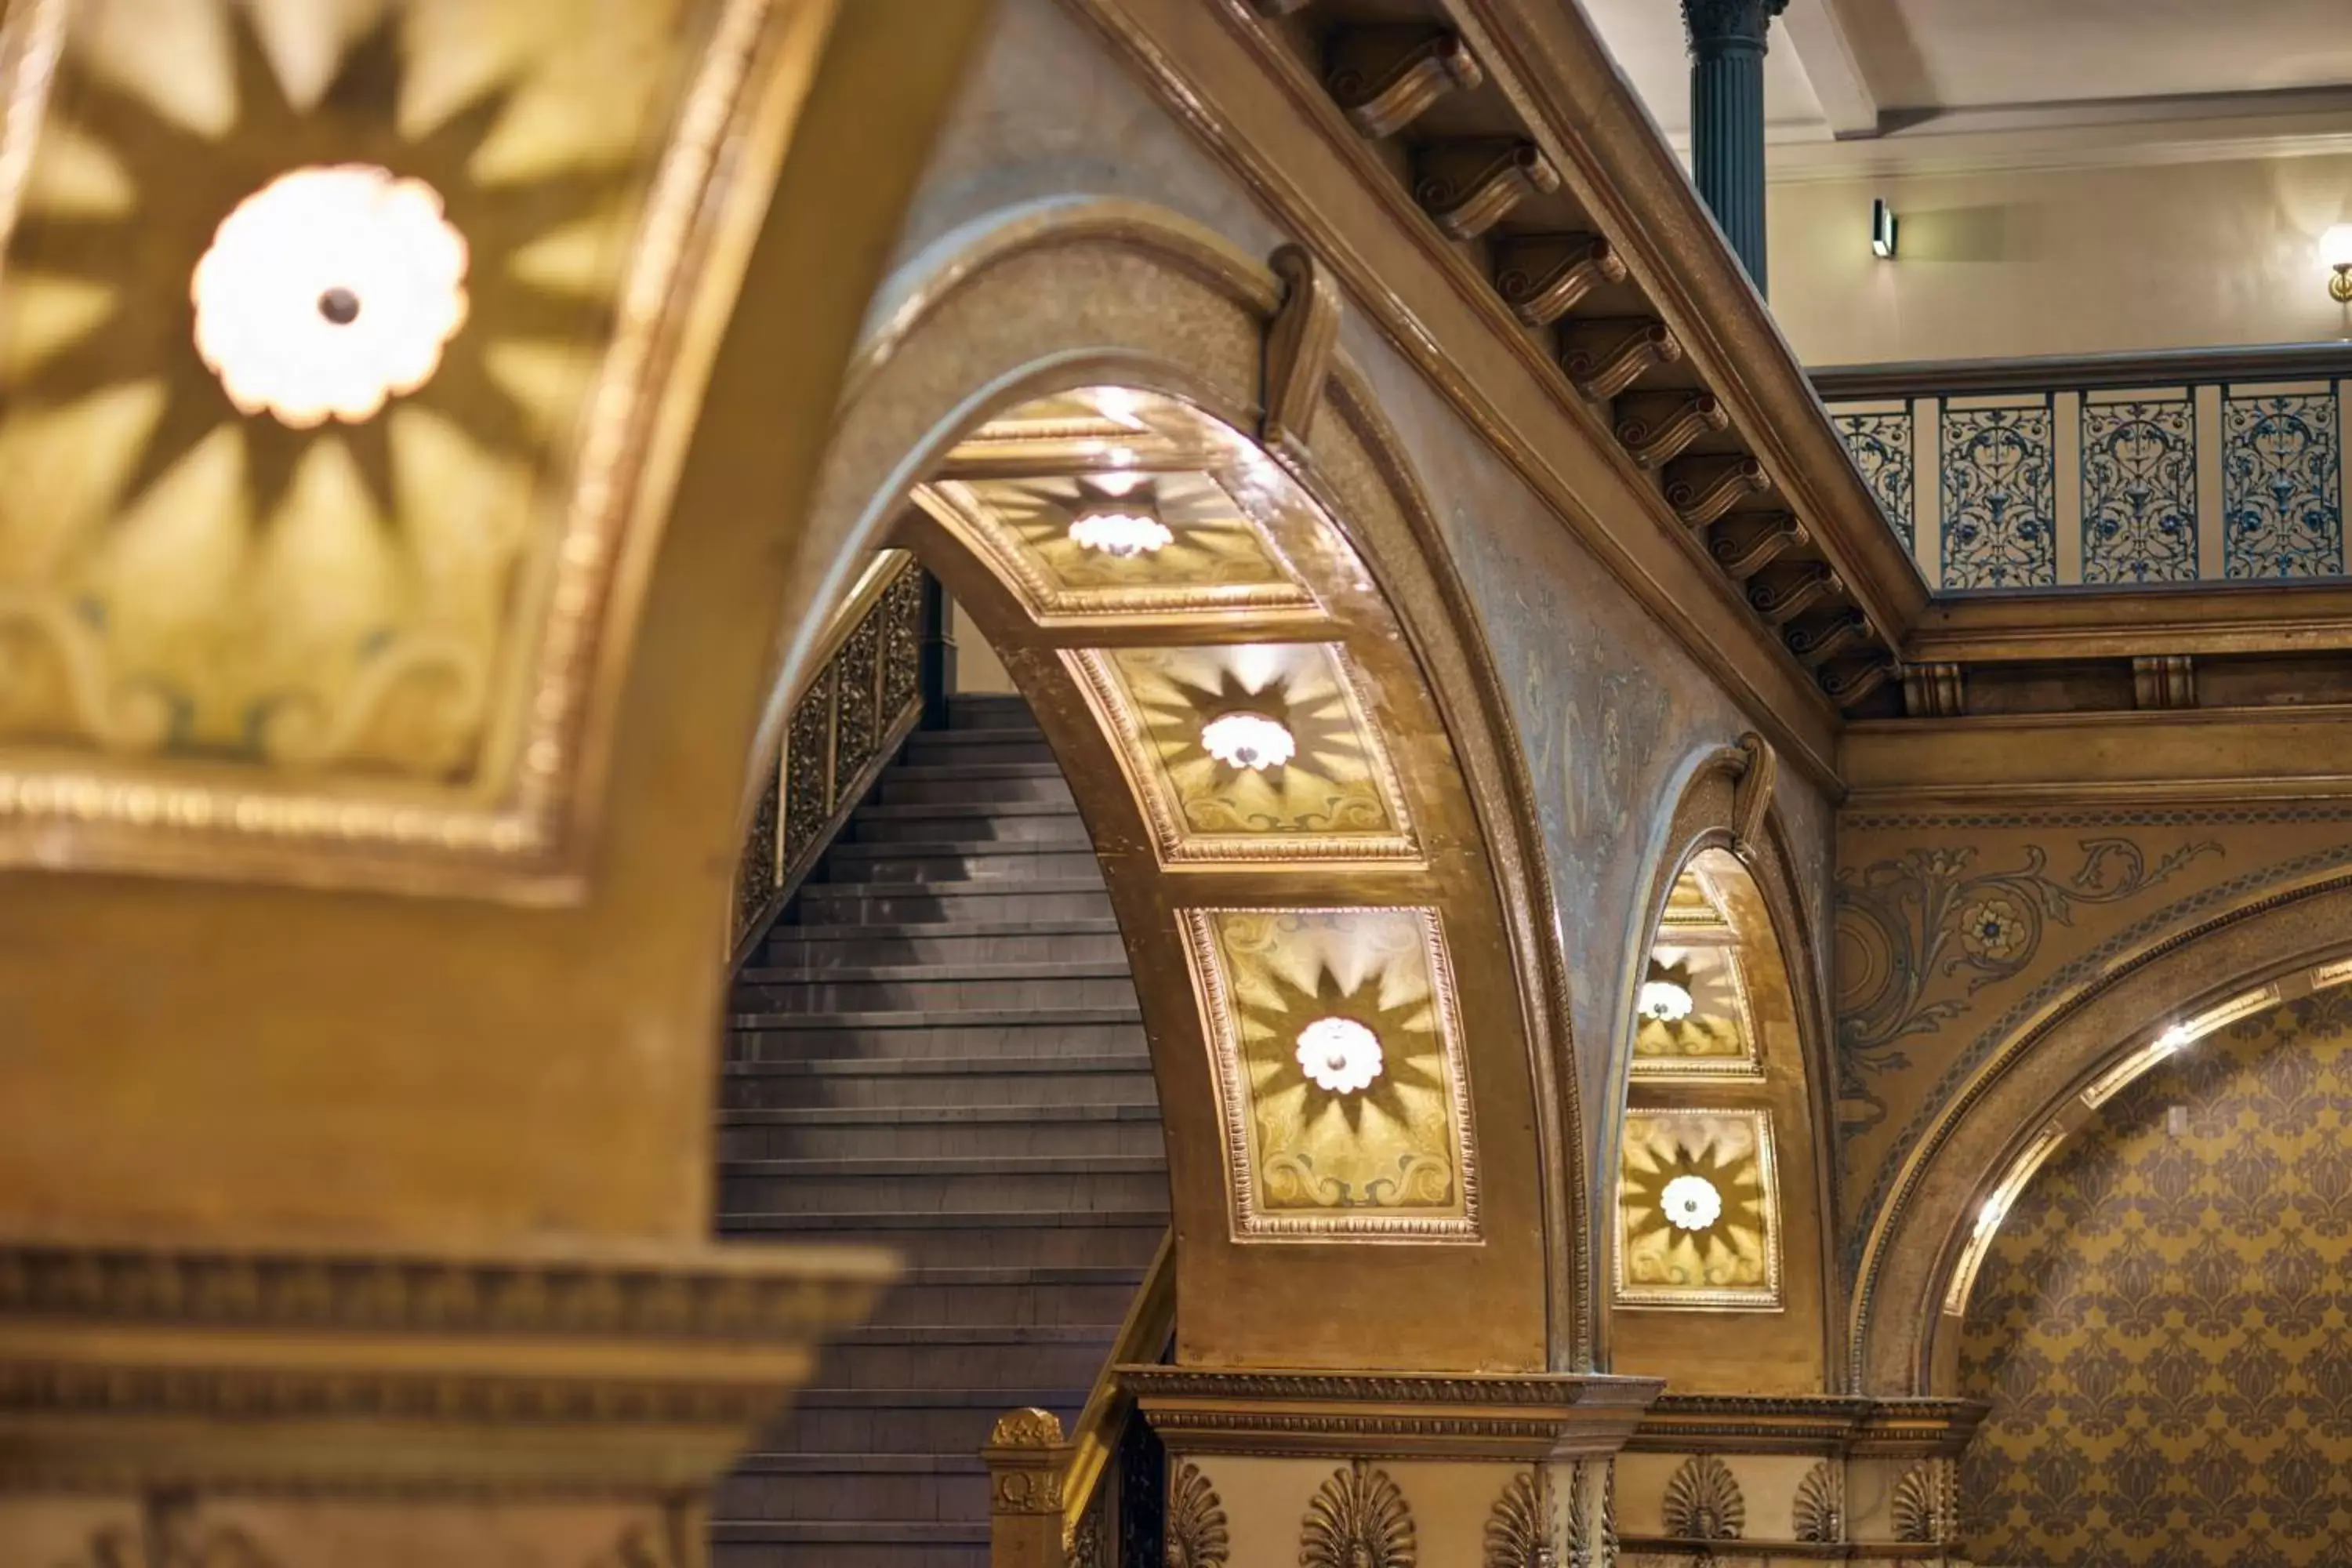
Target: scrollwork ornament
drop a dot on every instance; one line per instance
(1357, 1518)
(1197, 1534)
(1520, 1531)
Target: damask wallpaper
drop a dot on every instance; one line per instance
(2164, 1325)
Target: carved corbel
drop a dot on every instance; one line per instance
(1935, 690)
(1298, 344)
(1468, 187)
(1385, 78)
(2164, 680)
(1785, 598)
(1543, 277)
(1815, 643)
(1850, 683)
(1701, 489)
(1751, 793)
(1604, 358)
(1655, 427)
(1743, 552)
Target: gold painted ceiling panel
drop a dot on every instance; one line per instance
(1698, 1211)
(1388, 1157)
(1337, 798)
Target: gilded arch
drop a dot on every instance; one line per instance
(2014, 1112)
(1724, 871)
(1043, 303)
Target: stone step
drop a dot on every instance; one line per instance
(939, 861)
(956, 748)
(970, 822)
(990, 709)
(1108, 1238)
(1037, 987)
(847, 1543)
(836, 904)
(947, 1184)
(1085, 1294)
(1010, 1359)
(911, 784)
(1026, 1133)
(806, 1037)
(942, 1420)
(806, 949)
(915, 1489)
(1122, 1079)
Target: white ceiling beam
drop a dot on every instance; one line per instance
(1826, 51)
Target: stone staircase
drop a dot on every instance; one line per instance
(937, 1049)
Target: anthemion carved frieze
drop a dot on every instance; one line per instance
(1198, 1536)
(1357, 1518)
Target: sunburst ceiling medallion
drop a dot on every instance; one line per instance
(1698, 1211)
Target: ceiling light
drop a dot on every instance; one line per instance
(1339, 1054)
(1118, 405)
(1882, 230)
(1247, 740)
(328, 291)
(1663, 1001)
(2335, 251)
(1117, 523)
(1690, 1203)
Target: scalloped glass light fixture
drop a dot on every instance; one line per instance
(1339, 1055)
(327, 292)
(1247, 740)
(1663, 1001)
(1690, 1203)
(1119, 516)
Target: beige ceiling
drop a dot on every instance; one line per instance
(1850, 67)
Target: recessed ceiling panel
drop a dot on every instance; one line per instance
(1697, 1211)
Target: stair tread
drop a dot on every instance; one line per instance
(921, 1115)
(917, 810)
(936, 1018)
(947, 1219)
(933, 1398)
(1103, 1334)
(770, 1462)
(916, 849)
(946, 969)
(1008, 1274)
(881, 1532)
(950, 773)
(947, 887)
(942, 1067)
(1069, 925)
(949, 1164)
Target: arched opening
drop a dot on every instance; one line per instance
(2149, 1302)
(1718, 1219)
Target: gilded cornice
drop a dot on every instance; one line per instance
(1829, 1425)
(1528, 1416)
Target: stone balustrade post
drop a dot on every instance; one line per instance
(1027, 1457)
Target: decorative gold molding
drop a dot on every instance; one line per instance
(1751, 795)
(1522, 1417)
(1299, 342)
(1357, 1518)
(1703, 1501)
(1197, 1534)
(1829, 1425)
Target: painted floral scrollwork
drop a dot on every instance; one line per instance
(1357, 1518)
(1911, 926)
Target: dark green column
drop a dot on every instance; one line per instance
(1726, 49)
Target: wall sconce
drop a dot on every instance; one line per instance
(1882, 230)
(2336, 249)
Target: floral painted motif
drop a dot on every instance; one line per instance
(2280, 487)
(1999, 498)
(1880, 445)
(2140, 492)
(2178, 1397)
(1993, 929)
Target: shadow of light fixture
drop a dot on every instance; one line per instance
(1882, 229)
(2335, 251)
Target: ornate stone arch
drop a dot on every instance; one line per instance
(2016, 1110)
(1726, 823)
(1043, 303)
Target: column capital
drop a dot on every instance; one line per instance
(1715, 26)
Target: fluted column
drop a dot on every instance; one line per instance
(1727, 47)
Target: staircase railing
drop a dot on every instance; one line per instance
(2109, 470)
(877, 672)
(1108, 1476)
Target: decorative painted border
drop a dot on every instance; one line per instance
(1766, 1298)
(1114, 708)
(1222, 1036)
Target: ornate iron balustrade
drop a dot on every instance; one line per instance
(869, 690)
(2111, 471)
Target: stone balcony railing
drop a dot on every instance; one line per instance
(2112, 471)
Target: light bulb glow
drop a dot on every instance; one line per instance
(1248, 740)
(1664, 1002)
(1690, 1203)
(1339, 1055)
(1120, 533)
(2335, 246)
(328, 291)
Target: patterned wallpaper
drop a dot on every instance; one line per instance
(2058, 487)
(2164, 1326)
